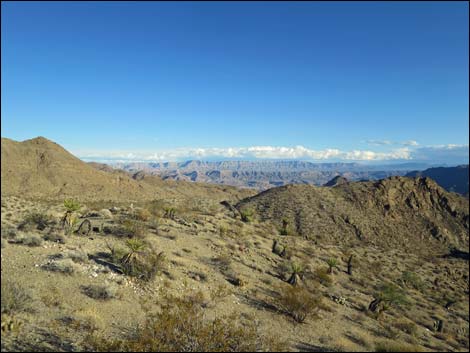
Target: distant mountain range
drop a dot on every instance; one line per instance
(263, 175)
(453, 179)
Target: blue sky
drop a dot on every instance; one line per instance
(173, 80)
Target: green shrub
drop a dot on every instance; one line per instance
(392, 295)
(411, 279)
(247, 215)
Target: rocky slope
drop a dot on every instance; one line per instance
(413, 214)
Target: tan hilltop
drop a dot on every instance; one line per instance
(41, 168)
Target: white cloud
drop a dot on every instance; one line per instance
(388, 142)
(379, 142)
(410, 143)
(253, 152)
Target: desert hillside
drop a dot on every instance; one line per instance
(41, 168)
(413, 214)
(137, 263)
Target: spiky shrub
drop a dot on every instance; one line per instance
(332, 263)
(297, 302)
(181, 326)
(170, 212)
(247, 215)
(70, 220)
(71, 205)
(141, 260)
(296, 273)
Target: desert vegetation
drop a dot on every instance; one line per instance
(214, 280)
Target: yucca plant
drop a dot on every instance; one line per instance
(247, 215)
(332, 263)
(297, 270)
(136, 248)
(69, 221)
(71, 205)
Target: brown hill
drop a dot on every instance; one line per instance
(413, 214)
(40, 168)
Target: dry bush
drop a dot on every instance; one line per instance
(406, 326)
(100, 292)
(87, 320)
(323, 277)
(134, 229)
(223, 262)
(392, 346)
(35, 220)
(79, 256)
(8, 232)
(181, 326)
(15, 298)
(54, 237)
(142, 214)
(298, 302)
(32, 240)
(65, 266)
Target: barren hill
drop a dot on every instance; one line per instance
(414, 214)
(41, 168)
